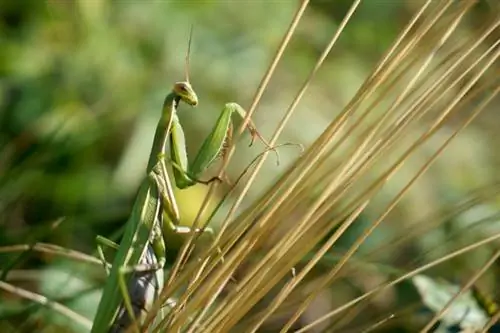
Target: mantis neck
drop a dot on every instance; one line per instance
(163, 129)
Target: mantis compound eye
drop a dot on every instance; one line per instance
(186, 93)
(182, 87)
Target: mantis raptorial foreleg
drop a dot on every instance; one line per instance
(214, 145)
(162, 180)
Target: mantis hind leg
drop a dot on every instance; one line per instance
(101, 242)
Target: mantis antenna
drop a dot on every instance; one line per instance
(186, 69)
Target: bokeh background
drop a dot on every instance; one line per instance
(81, 90)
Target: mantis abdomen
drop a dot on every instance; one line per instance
(144, 288)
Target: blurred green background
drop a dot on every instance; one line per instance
(81, 90)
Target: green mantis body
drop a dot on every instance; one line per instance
(155, 202)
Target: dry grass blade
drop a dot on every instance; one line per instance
(52, 249)
(489, 193)
(296, 101)
(491, 322)
(400, 279)
(350, 252)
(427, 89)
(466, 287)
(188, 244)
(40, 299)
(328, 279)
(238, 256)
(185, 248)
(378, 324)
(419, 228)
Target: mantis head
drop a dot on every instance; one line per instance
(186, 93)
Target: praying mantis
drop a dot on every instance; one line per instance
(142, 249)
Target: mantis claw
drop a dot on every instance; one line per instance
(255, 134)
